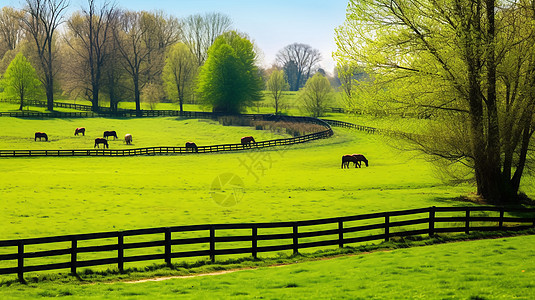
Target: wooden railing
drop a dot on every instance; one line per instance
(298, 235)
(162, 150)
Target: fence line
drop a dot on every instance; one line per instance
(162, 150)
(379, 226)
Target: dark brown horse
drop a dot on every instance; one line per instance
(360, 158)
(346, 159)
(80, 130)
(247, 140)
(101, 141)
(193, 146)
(128, 138)
(110, 133)
(40, 135)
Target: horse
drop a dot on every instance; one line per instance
(346, 159)
(40, 135)
(247, 140)
(110, 133)
(128, 138)
(101, 141)
(80, 130)
(193, 146)
(360, 158)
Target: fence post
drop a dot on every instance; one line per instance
(212, 243)
(255, 242)
(502, 212)
(74, 250)
(168, 246)
(295, 238)
(432, 221)
(20, 261)
(467, 221)
(341, 234)
(387, 227)
(120, 252)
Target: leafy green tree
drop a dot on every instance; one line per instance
(229, 80)
(276, 84)
(179, 72)
(317, 95)
(20, 80)
(468, 63)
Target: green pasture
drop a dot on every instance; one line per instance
(482, 269)
(65, 195)
(18, 133)
(13, 107)
(48, 196)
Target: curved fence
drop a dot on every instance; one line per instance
(183, 150)
(167, 243)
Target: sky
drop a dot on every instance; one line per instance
(271, 24)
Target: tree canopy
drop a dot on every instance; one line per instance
(275, 85)
(316, 96)
(470, 64)
(229, 80)
(20, 80)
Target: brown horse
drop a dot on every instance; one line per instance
(128, 138)
(110, 133)
(247, 140)
(360, 158)
(79, 130)
(193, 146)
(40, 135)
(346, 159)
(101, 141)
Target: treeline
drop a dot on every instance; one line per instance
(107, 54)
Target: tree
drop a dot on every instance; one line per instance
(142, 38)
(152, 94)
(470, 63)
(42, 18)
(11, 30)
(317, 95)
(20, 80)
(200, 32)
(179, 72)
(299, 62)
(89, 37)
(229, 80)
(276, 84)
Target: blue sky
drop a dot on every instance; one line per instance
(272, 24)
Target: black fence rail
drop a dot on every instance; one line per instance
(55, 114)
(164, 150)
(216, 238)
(343, 124)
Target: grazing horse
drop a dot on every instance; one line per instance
(80, 130)
(360, 158)
(110, 133)
(40, 135)
(193, 146)
(247, 140)
(128, 138)
(101, 141)
(346, 159)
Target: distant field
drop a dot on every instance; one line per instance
(146, 132)
(485, 269)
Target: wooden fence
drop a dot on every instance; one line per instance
(165, 247)
(168, 150)
(163, 150)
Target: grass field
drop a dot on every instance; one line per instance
(484, 269)
(70, 195)
(50, 196)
